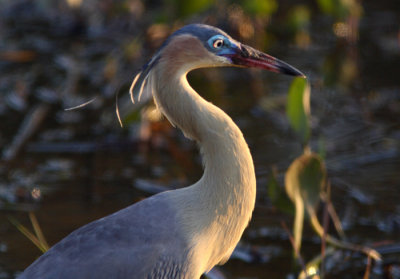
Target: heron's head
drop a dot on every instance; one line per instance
(200, 46)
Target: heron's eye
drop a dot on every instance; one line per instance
(218, 43)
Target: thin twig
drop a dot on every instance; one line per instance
(326, 197)
(323, 238)
(27, 233)
(338, 243)
(335, 218)
(27, 129)
(38, 231)
(325, 224)
(296, 251)
(368, 268)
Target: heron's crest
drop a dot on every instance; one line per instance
(141, 88)
(138, 88)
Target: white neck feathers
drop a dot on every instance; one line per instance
(215, 210)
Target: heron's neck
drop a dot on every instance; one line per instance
(220, 204)
(226, 157)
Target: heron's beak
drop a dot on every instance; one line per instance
(246, 56)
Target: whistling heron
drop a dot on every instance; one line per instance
(181, 233)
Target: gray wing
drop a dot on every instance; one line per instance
(140, 241)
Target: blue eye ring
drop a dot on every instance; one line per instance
(217, 42)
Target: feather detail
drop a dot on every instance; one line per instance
(139, 83)
(117, 110)
(133, 86)
(81, 105)
(142, 87)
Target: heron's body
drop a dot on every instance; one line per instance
(181, 233)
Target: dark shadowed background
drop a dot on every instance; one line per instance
(71, 167)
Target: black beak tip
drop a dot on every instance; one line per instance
(292, 71)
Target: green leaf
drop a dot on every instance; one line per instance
(298, 108)
(277, 195)
(260, 7)
(322, 148)
(273, 186)
(299, 17)
(305, 178)
(337, 8)
(188, 8)
(304, 181)
(327, 6)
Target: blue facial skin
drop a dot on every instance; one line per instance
(206, 34)
(222, 46)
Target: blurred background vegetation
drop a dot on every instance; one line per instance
(71, 167)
